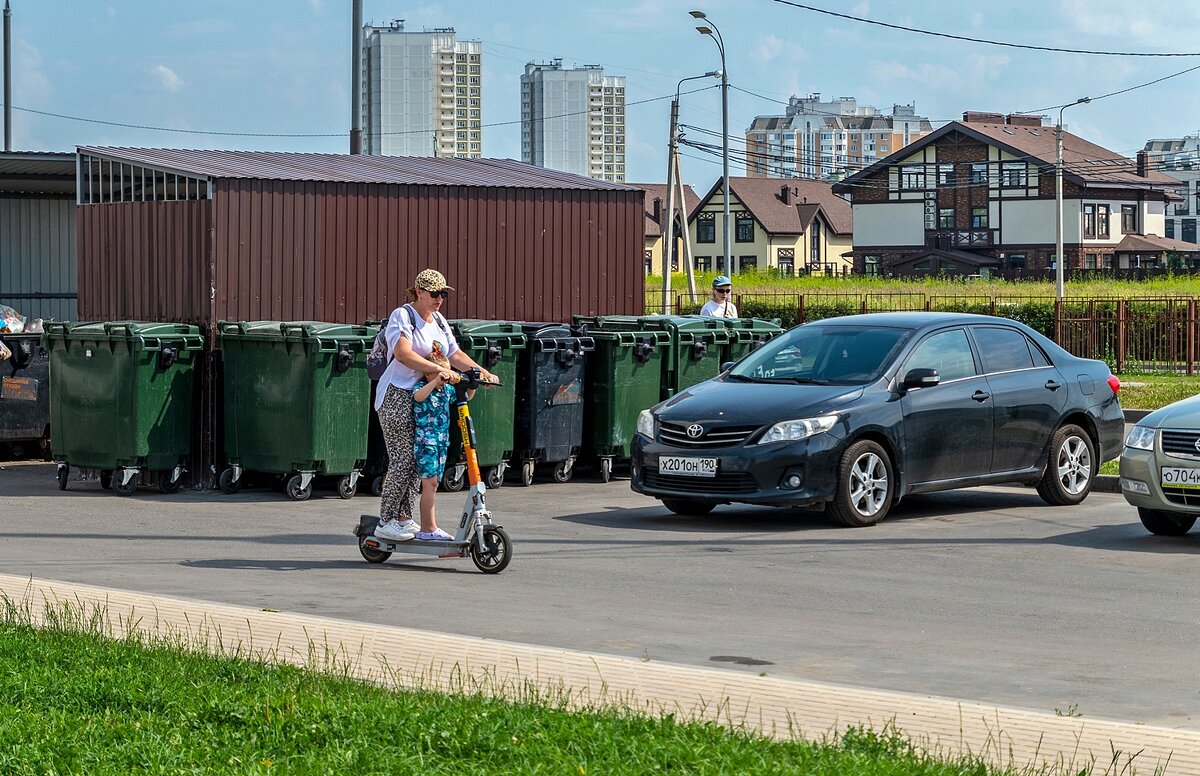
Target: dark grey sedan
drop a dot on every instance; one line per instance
(854, 412)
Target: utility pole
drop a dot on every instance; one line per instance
(7, 77)
(667, 220)
(356, 79)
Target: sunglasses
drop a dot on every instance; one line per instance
(443, 294)
(724, 290)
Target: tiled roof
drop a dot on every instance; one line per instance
(659, 190)
(357, 168)
(763, 197)
(1146, 243)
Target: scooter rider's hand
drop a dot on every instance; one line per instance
(446, 377)
(487, 377)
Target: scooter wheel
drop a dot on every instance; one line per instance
(294, 491)
(123, 488)
(527, 473)
(497, 550)
(495, 477)
(370, 554)
(228, 483)
(377, 486)
(106, 478)
(64, 472)
(168, 485)
(345, 489)
(452, 482)
(563, 470)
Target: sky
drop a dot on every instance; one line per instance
(265, 73)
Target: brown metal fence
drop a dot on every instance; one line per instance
(1144, 334)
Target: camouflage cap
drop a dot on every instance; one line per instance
(431, 280)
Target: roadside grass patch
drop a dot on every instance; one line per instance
(77, 701)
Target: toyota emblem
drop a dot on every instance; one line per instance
(695, 431)
(1197, 442)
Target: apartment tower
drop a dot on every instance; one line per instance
(573, 119)
(422, 93)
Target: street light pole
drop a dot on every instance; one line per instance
(1058, 199)
(711, 30)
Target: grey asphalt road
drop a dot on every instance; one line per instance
(984, 594)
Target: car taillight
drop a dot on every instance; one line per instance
(1114, 383)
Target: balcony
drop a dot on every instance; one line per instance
(952, 239)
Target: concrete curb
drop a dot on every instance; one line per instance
(782, 708)
(1133, 416)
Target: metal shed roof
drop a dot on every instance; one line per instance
(346, 168)
(37, 172)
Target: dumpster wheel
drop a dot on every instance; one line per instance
(454, 479)
(563, 470)
(168, 485)
(527, 473)
(64, 471)
(377, 486)
(125, 488)
(345, 489)
(495, 476)
(606, 465)
(227, 482)
(294, 491)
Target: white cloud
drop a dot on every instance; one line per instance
(112, 13)
(768, 49)
(169, 79)
(862, 9)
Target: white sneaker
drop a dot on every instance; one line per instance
(394, 530)
(409, 525)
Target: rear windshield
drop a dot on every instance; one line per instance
(830, 354)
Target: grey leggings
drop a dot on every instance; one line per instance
(401, 486)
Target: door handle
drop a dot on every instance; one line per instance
(981, 396)
(1053, 385)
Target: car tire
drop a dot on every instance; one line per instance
(1163, 523)
(684, 506)
(1070, 467)
(865, 486)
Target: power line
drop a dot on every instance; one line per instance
(967, 39)
(1122, 91)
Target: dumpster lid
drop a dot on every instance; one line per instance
(123, 329)
(296, 330)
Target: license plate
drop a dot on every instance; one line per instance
(690, 467)
(1181, 477)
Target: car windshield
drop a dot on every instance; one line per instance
(823, 355)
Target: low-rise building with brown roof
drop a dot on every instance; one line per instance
(656, 202)
(787, 224)
(980, 194)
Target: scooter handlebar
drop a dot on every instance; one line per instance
(471, 379)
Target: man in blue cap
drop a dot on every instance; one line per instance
(721, 305)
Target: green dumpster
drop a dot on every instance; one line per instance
(296, 402)
(121, 400)
(624, 376)
(494, 345)
(696, 350)
(748, 334)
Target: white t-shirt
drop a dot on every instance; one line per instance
(422, 337)
(715, 309)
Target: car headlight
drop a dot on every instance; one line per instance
(794, 430)
(1140, 438)
(645, 424)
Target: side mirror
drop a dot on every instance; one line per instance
(727, 366)
(921, 377)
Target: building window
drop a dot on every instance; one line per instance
(946, 218)
(744, 224)
(786, 258)
(1102, 221)
(1016, 262)
(704, 263)
(1089, 260)
(912, 176)
(979, 173)
(979, 218)
(649, 257)
(1189, 230)
(945, 175)
(1170, 235)
(1107, 258)
(747, 263)
(1013, 175)
(814, 242)
(871, 265)
(1089, 221)
(1129, 219)
(706, 228)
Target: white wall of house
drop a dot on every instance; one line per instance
(1032, 221)
(891, 223)
(1154, 219)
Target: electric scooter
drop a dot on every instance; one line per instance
(486, 543)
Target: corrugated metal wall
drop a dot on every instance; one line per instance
(37, 257)
(347, 252)
(144, 261)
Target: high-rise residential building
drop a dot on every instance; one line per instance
(815, 139)
(422, 93)
(573, 119)
(1179, 157)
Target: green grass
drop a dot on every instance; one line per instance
(75, 702)
(1152, 391)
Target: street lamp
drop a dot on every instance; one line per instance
(714, 33)
(1058, 198)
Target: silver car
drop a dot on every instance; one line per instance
(1160, 468)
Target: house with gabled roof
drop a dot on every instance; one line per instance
(655, 204)
(978, 196)
(792, 225)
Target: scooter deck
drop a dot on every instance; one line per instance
(366, 529)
